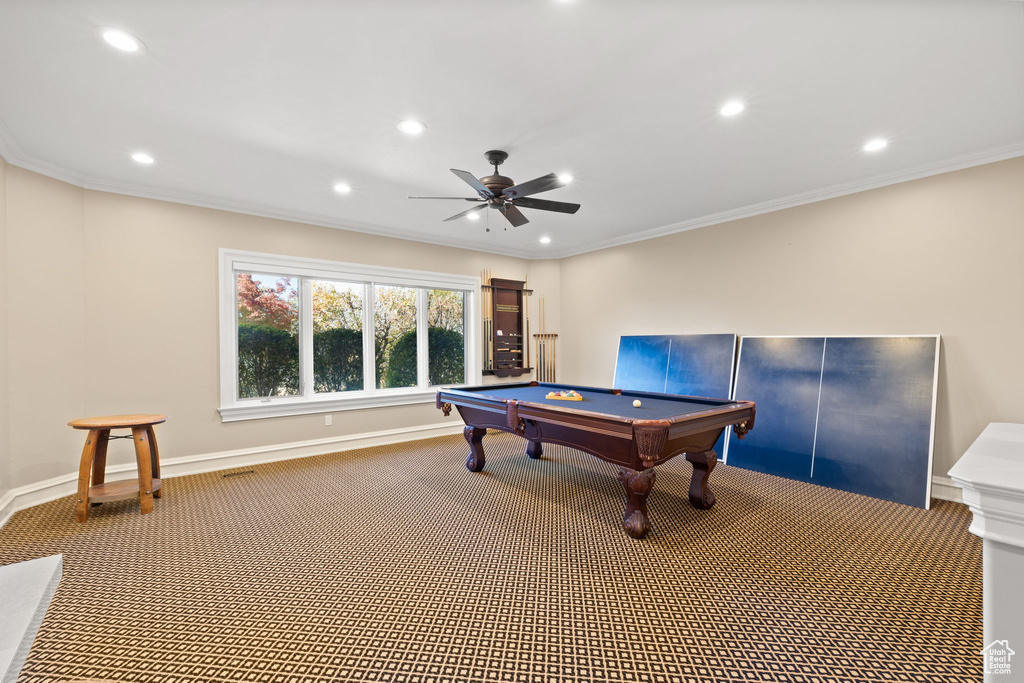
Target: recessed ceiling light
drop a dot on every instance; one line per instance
(565, 178)
(143, 158)
(731, 108)
(545, 240)
(875, 145)
(411, 127)
(475, 216)
(342, 188)
(121, 40)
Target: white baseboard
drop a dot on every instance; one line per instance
(23, 497)
(6, 506)
(58, 487)
(943, 488)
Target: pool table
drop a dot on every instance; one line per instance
(606, 425)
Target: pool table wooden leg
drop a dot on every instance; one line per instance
(637, 486)
(475, 460)
(701, 496)
(534, 449)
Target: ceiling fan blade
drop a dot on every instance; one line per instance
(465, 213)
(514, 215)
(472, 181)
(545, 205)
(542, 184)
(465, 199)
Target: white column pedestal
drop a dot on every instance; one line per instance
(991, 474)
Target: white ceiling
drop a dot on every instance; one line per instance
(262, 106)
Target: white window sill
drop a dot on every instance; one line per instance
(285, 407)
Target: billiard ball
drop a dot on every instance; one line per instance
(636, 403)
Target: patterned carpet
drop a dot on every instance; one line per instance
(397, 564)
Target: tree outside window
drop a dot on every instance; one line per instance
(268, 340)
(446, 324)
(337, 336)
(301, 335)
(394, 317)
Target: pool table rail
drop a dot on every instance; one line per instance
(644, 443)
(636, 445)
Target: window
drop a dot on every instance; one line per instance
(394, 336)
(305, 335)
(446, 336)
(337, 336)
(268, 328)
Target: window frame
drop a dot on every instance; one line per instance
(307, 402)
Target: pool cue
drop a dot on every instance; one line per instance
(526, 335)
(540, 340)
(526, 338)
(543, 329)
(487, 322)
(491, 324)
(483, 321)
(554, 359)
(551, 361)
(486, 300)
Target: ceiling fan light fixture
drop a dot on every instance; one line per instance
(411, 127)
(732, 108)
(122, 40)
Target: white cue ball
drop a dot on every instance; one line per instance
(636, 403)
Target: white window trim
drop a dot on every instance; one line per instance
(232, 408)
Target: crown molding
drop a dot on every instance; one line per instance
(9, 148)
(253, 209)
(957, 163)
(12, 153)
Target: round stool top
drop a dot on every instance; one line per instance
(115, 421)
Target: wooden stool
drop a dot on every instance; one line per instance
(94, 461)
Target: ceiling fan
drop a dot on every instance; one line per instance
(501, 193)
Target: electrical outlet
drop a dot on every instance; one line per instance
(328, 420)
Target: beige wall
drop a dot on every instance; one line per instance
(47, 320)
(545, 281)
(112, 303)
(128, 319)
(5, 415)
(941, 255)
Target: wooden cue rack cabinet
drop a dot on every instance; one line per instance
(507, 330)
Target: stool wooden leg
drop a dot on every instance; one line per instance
(145, 462)
(99, 460)
(155, 452)
(84, 469)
